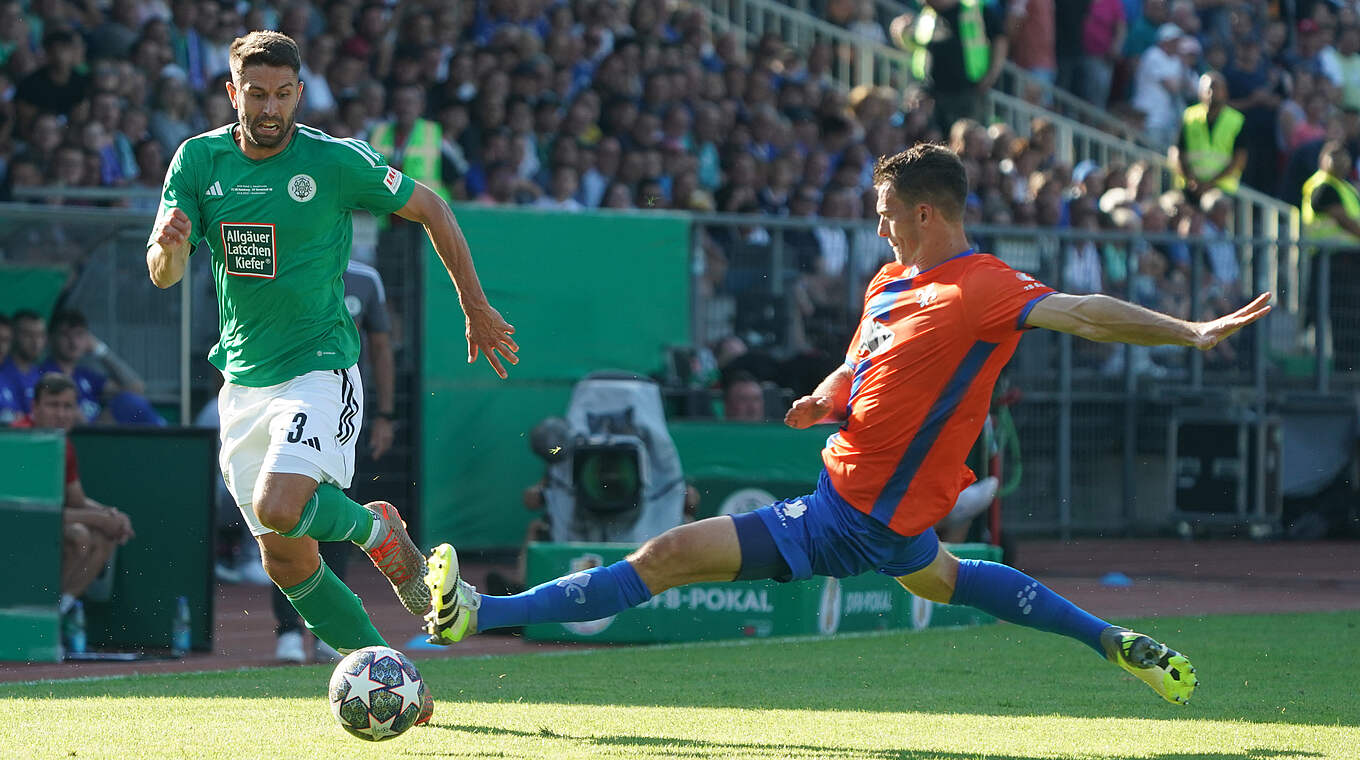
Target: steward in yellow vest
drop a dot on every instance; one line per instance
(410, 143)
(958, 48)
(1331, 206)
(1210, 152)
(1331, 211)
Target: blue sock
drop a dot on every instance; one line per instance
(590, 595)
(1010, 595)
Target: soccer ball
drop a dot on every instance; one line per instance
(376, 693)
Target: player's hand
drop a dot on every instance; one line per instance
(380, 437)
(173, 229)
(807, 411)
(1213, 333)
(489, 334)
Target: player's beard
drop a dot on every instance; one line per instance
(250, 126)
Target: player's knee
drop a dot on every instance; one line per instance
(288, 569)
(663, 560)
(277, 514)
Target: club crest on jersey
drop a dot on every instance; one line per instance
(302, 188)
(250, 249)
(927, 296)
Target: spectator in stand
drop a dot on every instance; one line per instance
(1211, 151)
(1317, 110)
(959, 47)
(1160, 84)
(1102, 40)
(11, 399)
(562, 191)
(108, 390)
(20, 369)
(90, 530)
(1143, 30)
(59, 87)
(1255, 87)
(1031, 26)
(743, 398)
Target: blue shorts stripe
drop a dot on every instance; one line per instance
(938, 416)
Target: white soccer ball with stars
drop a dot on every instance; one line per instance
(376, 693)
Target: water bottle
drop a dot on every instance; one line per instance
(73, 629)
(179, 628)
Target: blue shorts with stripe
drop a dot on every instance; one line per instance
(821, 534)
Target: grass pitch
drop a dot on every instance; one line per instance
(1277, 686)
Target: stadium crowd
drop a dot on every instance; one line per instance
(574, 104)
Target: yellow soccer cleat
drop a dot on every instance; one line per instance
(1167, 671)
(453, 602)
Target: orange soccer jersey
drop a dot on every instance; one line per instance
(926, 354)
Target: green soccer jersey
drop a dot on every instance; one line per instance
(279, 230)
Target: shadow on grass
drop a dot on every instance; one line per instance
(696, 748)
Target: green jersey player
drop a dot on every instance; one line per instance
(272, 200)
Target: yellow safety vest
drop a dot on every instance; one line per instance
(420, 157)
(1208, 154)
(1322, 226)
(972, 31)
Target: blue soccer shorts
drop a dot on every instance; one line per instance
(821, 534)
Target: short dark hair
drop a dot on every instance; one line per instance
(26, 315)
(50, 384)
(58, 37)
(929, 173)
(64, 318)
(264, 48)
(736, 377)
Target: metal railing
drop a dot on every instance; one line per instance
(874, 64)
(106, 252)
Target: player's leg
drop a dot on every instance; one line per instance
(1013, 596)
(330, 609)
(313, 426)
(708, 550)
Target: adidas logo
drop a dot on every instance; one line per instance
(215, 190)
(313, 442)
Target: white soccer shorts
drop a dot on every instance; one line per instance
(305, 426)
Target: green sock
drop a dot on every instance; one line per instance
(330, 515)
(333, 612)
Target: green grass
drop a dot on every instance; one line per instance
(1279, 686)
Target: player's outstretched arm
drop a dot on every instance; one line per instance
(169, 249)
(487, 332)
(1107, 319)
(825, 404)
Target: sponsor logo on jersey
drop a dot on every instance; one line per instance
(393, 180)
(250, 249)
(215, 190)
(251, 189)
(301, 188)
(875, 338)
(1021, 276)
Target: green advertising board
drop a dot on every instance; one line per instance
(747, 609)
(32, 485)
(163, 479)
(585, 292)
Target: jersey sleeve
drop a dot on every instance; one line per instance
(998, 299)
(181, 190)
(368, 183)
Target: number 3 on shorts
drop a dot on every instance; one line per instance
(295, 434)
